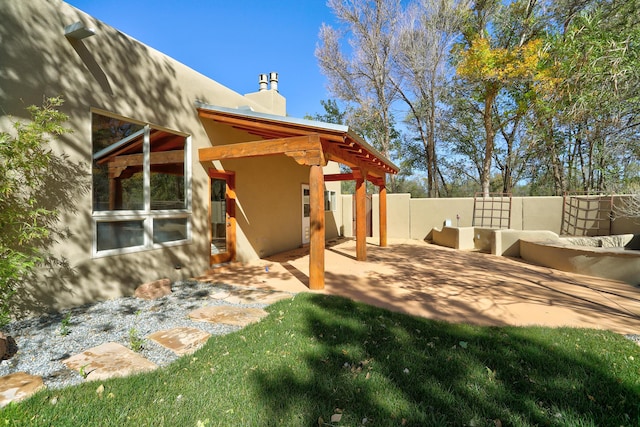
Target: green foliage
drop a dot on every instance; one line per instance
(316, 355)
(24, 219)
(136, 342)
(64, 325)
(546, 93)
(589, 122)
(83, 371)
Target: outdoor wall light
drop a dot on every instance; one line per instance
(78, 31)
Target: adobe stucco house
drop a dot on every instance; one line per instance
(180, 171)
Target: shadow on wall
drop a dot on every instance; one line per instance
(75, 282)
(108, 71)
(63, 183)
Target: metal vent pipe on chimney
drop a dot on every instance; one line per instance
(273, 78)
(263, 82)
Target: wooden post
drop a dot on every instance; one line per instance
(361, 224)
(115, 193)
(383, 213)
(316, 249)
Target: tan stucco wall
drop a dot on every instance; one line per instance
(112, 72)
(425, 215)
(271, 99)
(616, 264)
(624, 225)
(398, 208)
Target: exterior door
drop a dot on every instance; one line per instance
(222, 214)
(306, 215)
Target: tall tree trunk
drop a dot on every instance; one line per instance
(431, 144)
(556, 165)
(490, 135)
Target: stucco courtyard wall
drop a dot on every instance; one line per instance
(416, 218)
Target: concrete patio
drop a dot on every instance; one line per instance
(435, 282)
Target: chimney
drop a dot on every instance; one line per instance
(263, 82)
(273, 78)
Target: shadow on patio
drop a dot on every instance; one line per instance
(426, 280)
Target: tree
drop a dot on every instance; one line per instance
(421, 48)
(361, 79)
(595, 111)
(500, 56)
(34, 183)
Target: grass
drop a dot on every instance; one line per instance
(318, 356)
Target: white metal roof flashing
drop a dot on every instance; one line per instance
(249, 113)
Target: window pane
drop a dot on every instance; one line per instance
(117, 164)
(120, 234)
(329, 200)
(167, 170)
(218, 216)
(169, 230)
(306, 203)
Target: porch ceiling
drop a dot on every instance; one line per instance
(338, 142)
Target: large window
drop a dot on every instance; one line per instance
(141, 196)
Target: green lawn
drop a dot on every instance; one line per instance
(317, 356)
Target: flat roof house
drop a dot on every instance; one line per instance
(178, 171)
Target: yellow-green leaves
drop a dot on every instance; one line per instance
(481, 62)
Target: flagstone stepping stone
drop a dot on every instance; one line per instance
(153, 290)
(250, 296)
(237, 316)
(109, 360)
(18, 386)
(181, 340)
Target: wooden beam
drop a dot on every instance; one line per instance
(339, 177)
(361, 225)
(376, 180)
(295, 145)
(156, 158)
(383, 213)
(316, 249)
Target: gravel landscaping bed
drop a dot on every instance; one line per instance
(41, 344)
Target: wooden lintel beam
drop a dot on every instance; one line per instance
(295, 144)
(348, 156)
(376, 180)
(339, 177)
(155, 158)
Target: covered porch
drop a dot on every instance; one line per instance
(313, 144)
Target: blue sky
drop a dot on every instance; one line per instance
(231, 41)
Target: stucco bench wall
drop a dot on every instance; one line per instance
(454, 237)
(507, 242)
(466, 238)
(610, 263)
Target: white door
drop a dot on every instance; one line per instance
(306, 214)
